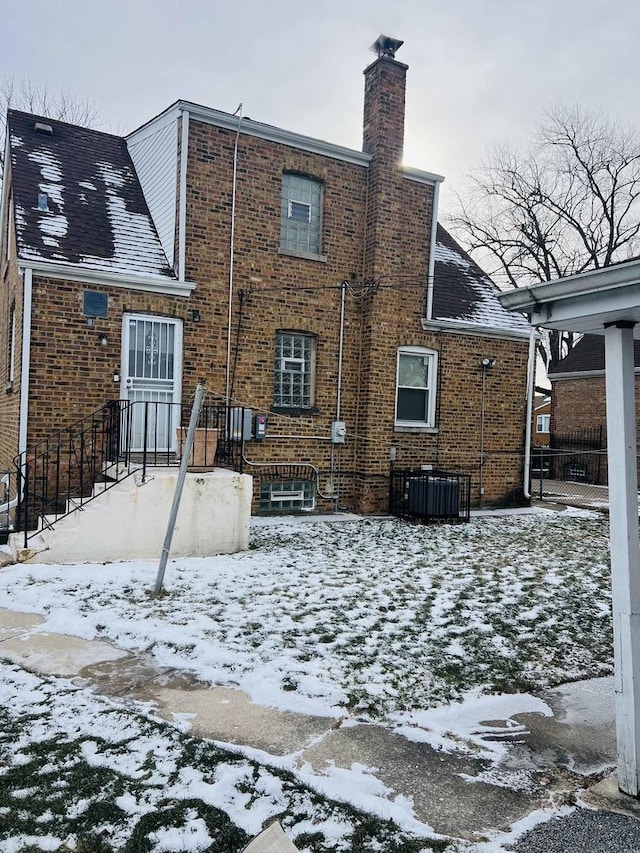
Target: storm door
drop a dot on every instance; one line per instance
(151, 379)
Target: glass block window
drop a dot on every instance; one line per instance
(415, 387)
(287, 495)
(294, 370)
(301, 214)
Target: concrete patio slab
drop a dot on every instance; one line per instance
(447, 789)
(229, 715)
(57, 654)
(14, 623)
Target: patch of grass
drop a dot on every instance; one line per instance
(73, 797)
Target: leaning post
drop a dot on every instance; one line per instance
(624, 545)
(182, 473)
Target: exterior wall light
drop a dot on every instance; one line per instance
(104, 340)
(488, 362)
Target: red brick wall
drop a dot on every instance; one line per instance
(71, 373)
(386, 266)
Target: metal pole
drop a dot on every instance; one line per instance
(481, 485)
(186, 453)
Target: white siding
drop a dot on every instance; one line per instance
(154, 151)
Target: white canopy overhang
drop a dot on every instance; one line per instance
(607, 302)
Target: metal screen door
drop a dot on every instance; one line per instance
(151, 373)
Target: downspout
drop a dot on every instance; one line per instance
(238, 112)
(182, 200)
(26, 356)
(27, 291)
(432, 249)
(531, 372)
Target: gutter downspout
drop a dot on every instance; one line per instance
(26, 356)
(432, 250)
(27, 292)
(238, 112)
(531, 372)
(182, 200)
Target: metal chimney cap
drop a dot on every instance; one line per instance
(386, 46)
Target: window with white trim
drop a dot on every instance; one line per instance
(294, 370)
(287, 495)
(301, 214)
(416, 387)
(543, 423)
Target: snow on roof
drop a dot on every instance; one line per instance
(78, 200)
(463, 293)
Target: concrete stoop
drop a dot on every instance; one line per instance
(129, 520)
(458, 794)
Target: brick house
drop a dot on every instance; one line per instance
(540, 427)
(578, 410)
(299, 278)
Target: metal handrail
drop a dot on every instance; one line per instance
(58, 476)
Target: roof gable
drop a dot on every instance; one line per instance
(92, 211)
(463, 293)
(587, 356)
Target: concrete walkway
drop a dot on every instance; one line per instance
(554, 761)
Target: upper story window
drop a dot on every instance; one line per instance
(543, 423)
(301, 214)
(294, 370)
(416, 387)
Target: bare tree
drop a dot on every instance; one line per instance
(570, 203)
(37, 98)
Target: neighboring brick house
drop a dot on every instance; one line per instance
(578, 402)
(540, 428)
(578, 396)
(297, 277)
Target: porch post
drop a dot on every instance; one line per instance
(625, 551)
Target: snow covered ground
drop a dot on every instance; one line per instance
(369, 620)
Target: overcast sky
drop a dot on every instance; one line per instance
(480, 71)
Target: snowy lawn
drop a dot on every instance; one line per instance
(372, 619)
(376, 618)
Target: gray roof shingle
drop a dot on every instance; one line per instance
(587, 356)
(463, 293)
(94, 214)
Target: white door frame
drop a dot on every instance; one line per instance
(176, 391)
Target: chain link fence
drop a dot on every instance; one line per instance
(576, 477)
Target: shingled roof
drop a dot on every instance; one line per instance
(463, 293)
(78, 201)
(587, 356)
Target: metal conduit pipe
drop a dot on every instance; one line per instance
(531, 372)
(238, 112)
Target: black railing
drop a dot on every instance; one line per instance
(7, 503)
(61, 474)
(430, 496)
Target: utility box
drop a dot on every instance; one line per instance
(338, 432)
(240, 424)
(259, 427)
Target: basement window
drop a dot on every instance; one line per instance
(287, 495)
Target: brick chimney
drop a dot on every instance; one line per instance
(384, 95)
